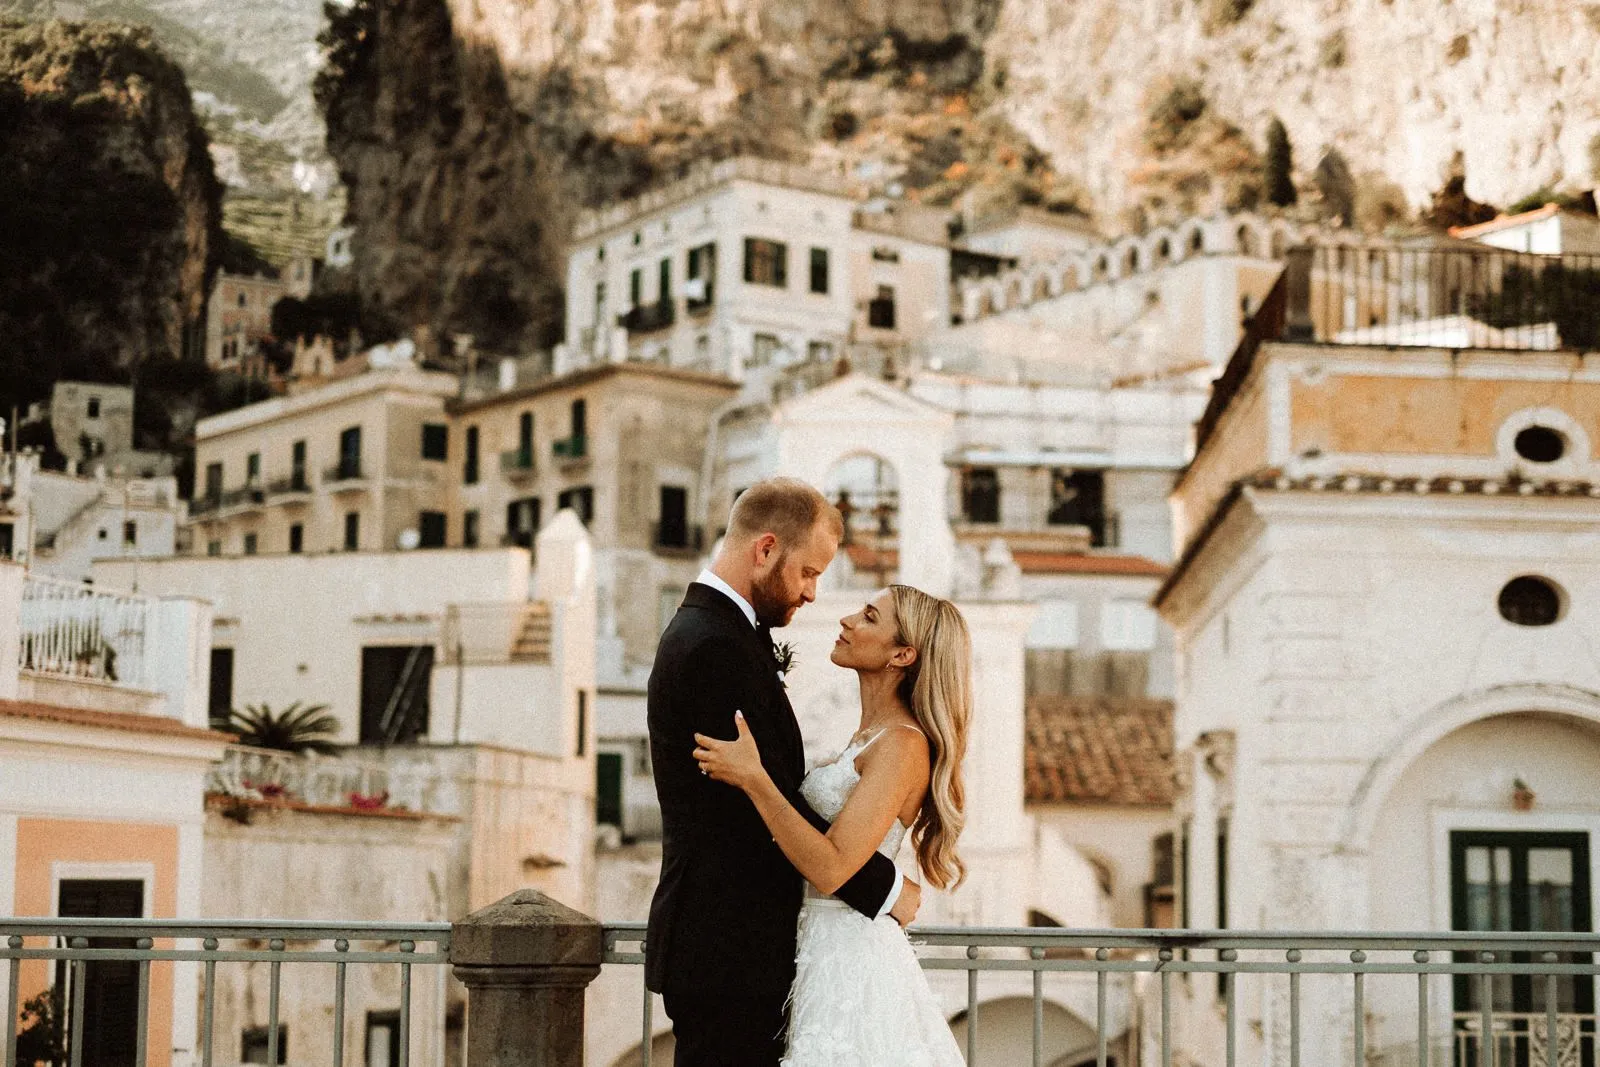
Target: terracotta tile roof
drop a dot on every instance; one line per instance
(109, 720)
(1099, 750)
(865, 557)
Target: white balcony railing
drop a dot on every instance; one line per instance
(73, 630)
(334, 782)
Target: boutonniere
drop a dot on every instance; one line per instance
(783, 656)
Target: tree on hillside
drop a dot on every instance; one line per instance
(1337, 187)
(1279, 165)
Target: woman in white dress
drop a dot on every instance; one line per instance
(859, 997)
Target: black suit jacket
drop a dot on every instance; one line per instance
(723, 918)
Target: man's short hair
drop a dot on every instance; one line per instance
(788, 508)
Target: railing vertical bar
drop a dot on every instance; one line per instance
(209, 1022)
(14, 975)
(1486, 1016)
(972, 1008)
(340, 945)
(1294, 1019)
(1359, 1023)
(273, 989)
(1166, 1015)
(1551, 1042)
(1100, 1018)
(647, 1039)
(405, 1006)
(79, 972)
(1422, 1012)
(1038, 1010)
(141, 1040)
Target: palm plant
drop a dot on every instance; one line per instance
(294, 729)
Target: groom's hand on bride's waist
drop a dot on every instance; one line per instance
(904, 911)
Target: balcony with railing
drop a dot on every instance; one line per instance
(69, 630)
(294, 489)
(518, 464)
(1441, 296)
(352, 782)
(574, 449)
(1014, 996)
(648, 318)
(345, 476)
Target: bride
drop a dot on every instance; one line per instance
(859, 997)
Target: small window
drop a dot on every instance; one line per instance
(244, 301)
(352, 531)
(580, 500)
(980, 494)
(664, 281)
(469, 529)
(580, 418)
(104, 533)
(432, 526)
(252, 468)
(213, 481)
(880, 309)
(435, 440)
(522, 521)
(469, 472)
(1531, 601)
(608, 788)
(819, 270)
(583, 723)
(885, 254)
(383, 1039)
(819, 352)
(635, 287)
(766, 262)
(130, 532)
(297, 538)
(253, 1045)
(221, 702)
(672, 528)
(250, 542)
(94, 407)
(213, 548)
(1540, 444)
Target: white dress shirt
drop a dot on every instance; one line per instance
(711, 579)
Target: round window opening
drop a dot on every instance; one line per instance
(1540, 444)
(1530, 601)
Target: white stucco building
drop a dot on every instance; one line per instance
(1388, 713)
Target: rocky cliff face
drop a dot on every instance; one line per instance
(108, 207)
(471, 131)
(1398, 86)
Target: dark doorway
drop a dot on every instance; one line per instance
(1521, 881)
(111, 987)
(395, 680)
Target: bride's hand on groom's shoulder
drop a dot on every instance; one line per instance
(736, 762)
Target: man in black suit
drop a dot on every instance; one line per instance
(721, 943)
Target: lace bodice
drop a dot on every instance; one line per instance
(829, 785)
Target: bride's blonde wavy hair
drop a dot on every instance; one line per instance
(938, 688)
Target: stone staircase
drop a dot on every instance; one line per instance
(533, 638)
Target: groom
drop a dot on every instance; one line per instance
(721, 942)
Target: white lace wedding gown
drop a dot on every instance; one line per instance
(859, 997)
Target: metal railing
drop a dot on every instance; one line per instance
(571, 448)
(295, 483)
(1454, 297)
(343, 471)
(518, 463)
(647, 318)
(80, 944)
(73, 630)
(1154, 957)
(332, 781)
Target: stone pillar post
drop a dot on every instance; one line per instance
(526, 961)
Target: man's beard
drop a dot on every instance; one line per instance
(773, 604)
